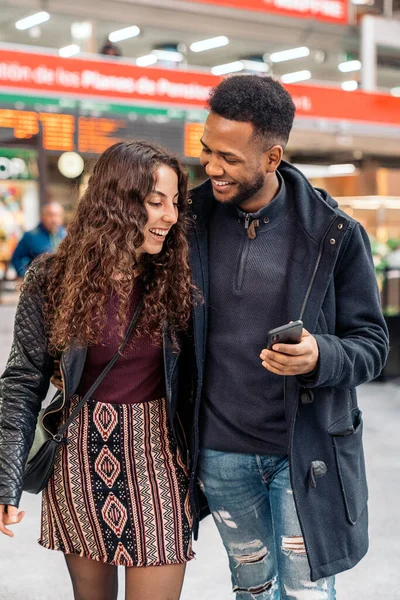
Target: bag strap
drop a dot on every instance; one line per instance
(58, 437)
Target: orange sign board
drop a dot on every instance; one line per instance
(58, 129)
(23, 123)
(334, 103)
(192, 135)
(332, 11)
(118, 81)
(96, 134)
(103, 79)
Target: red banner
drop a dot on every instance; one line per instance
(335, 104)
(118, 81)
(104, 79)
(332, 11)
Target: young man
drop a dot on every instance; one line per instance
(279, 449)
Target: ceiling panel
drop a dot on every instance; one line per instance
(250, 34)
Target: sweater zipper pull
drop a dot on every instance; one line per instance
(251, 230)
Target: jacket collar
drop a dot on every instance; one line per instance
(43, 229)
(315, 208)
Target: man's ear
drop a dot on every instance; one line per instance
(272, 158)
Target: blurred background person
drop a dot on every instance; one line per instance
(44, 238)
(110, 49)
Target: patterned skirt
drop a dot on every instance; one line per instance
(119, 490)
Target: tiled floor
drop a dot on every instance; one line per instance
(28, 572)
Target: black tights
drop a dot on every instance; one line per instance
(93, 580)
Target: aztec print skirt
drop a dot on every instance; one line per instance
(119, 490)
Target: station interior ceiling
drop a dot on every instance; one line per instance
(251, 34)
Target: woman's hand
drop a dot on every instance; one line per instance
(9, 515)
(56, 379)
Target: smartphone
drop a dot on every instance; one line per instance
(286, 334)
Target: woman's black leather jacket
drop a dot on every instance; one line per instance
(26, 380)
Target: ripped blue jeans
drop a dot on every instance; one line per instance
(252, 503)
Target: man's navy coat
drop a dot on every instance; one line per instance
(333, 288)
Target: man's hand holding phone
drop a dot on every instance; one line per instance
(291, 359)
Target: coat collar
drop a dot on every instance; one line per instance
(315, 208)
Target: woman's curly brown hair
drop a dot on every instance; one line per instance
(98, 257)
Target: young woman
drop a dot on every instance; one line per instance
(118, 494)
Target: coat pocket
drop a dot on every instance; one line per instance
(347, 442)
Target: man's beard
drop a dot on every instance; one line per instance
(247, 191)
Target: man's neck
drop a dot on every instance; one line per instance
(263, 197)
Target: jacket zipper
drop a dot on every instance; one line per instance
(243, 256)
(50, 412)
(196, 433)
(168, 387)
(185, 449)
(185, 443)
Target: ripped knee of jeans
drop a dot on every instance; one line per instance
(224, 517)
(293, 545)
(248, 553)
(309, 590)
(254, 591)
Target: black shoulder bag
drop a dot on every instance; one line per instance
(39, 467)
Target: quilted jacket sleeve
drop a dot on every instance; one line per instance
(23, 386)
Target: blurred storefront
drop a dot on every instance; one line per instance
(371, 195)
(19, 198)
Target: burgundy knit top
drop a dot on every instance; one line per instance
(137, 376)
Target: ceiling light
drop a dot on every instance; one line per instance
(124, 34)
(36, 19)
(346, 169)
(146, 60)
(168, 55)
(301, 52)
(349, 65)
(322, 171)
(35, 32)
(395, 92)
(363, 2)
(70, 164)
(255, 65)
(369, 202)
(71, 50)
(215, 42)
(232, 67)
(349, 86)
(81, 30)
(296, 76)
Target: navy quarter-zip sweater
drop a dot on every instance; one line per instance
(243, 403)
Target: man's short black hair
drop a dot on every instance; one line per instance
(261, 101)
